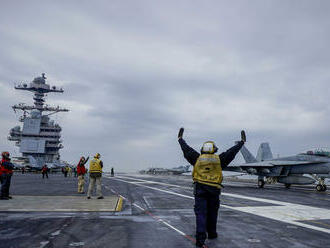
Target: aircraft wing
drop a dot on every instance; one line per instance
(272, 163)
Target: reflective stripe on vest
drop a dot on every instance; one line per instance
(95, 165)
(207, 170)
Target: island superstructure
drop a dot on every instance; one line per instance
(39, 139)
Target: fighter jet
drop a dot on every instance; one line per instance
(286, 170)
(173, 171)
(31, 164)
(179, 170)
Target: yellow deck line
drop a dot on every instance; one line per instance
(119, 205)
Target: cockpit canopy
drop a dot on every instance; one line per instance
(319, 152)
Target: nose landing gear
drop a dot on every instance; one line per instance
(321, 188)
(261, 182)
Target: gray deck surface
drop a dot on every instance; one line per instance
(158, 212)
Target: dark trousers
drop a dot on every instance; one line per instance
(44, 173)
(206, 210)
(5, 184)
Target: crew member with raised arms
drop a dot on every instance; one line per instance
(207, 177)
(95, 174)
(81, 171)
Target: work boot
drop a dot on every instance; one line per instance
(10, 197)
(199, 243)
(212, 235)
(200, 239)
(88, 197)
(100, 197)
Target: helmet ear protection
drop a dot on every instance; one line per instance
(209, 147)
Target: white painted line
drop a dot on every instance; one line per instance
(147, 202)
(258, 199)
(161, 190)
(153, 182)
(285, 212)
(273, 186)
(141, 208)
(290, 214)
(77, 244)
(43, 244)
(162, 221)
(225, 194)
(56, 233)
(123, 197)
(172, 227)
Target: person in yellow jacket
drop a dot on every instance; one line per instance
(95, 174)
(207, 177)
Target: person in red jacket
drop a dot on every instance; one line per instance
(44, 171)
(81, 171)
(6, 171)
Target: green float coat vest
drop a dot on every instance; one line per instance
(95, 166)
(207, 170)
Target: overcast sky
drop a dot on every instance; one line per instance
(134, 72)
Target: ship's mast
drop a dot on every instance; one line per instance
(39, 87)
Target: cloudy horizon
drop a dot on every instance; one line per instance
(134, 72)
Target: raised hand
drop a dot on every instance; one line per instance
(243, 136)
(180, 134)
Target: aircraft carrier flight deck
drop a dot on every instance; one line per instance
(157, 211)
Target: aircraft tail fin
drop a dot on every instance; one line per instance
(264, 152)
(248, 157)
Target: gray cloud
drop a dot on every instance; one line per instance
(134, 72)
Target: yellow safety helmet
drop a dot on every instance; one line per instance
(209, 147)
(97, 155)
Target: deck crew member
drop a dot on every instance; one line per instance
(207, 177)
(95, 174)
(6, 171)
(66, 170)
(70, 171)
(44, 171)
(81, 171)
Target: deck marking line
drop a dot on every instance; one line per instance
(119, 204)
(273, 212)
(162, 221)
(161, 190)
(225, 194)
(230, 184)
(160, 183)
(167, 224)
